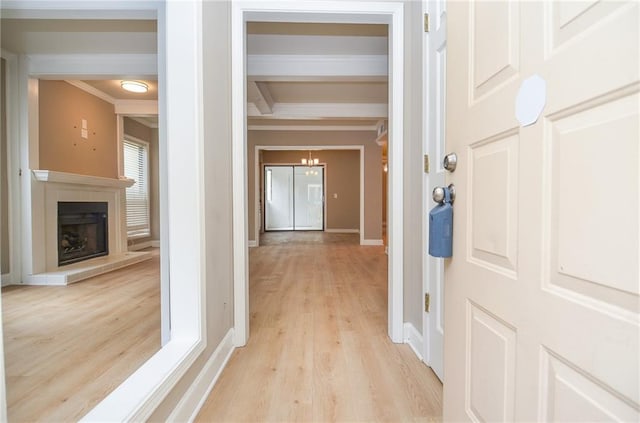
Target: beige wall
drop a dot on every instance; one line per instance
(62, 108)
(150, 135)
(342, 178)
(372, 166)
(216, 39)
(4, 186)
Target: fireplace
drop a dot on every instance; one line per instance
(82, 231)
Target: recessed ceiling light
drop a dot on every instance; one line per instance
(134, 86)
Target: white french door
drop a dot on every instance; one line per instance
(542, 293)
(294, 198)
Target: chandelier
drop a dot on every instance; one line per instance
(310, 162)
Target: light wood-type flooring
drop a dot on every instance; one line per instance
(319, 350)
(67, 347)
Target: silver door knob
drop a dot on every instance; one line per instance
(450, 162)
(438, 194)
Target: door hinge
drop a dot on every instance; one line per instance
(426, 22)
(427, 299)
(426, 163)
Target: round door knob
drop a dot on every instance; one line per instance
(438, 194)
(450, 162)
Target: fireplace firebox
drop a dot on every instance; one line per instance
(82, 231)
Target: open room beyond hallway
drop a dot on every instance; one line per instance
(67, 347)
(319, 349)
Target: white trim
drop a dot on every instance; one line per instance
(257, 171)
(371, 242)
(190, 404)
(413, 338)
(91, 90)
(12, 104)
(318, 11)
(143, 122)
(312, 111)
(260, 96)
(323, 65)
(180, 26)
(6, 279)
(426, 205)
(92, 66)
(253, 243)
(359, 128)
(73, 178)
(239, 178)
(136, 107)
(342, 231)
(396, 186)
(153, 243)
(79, 9)
(139, 246)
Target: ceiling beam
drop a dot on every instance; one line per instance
(93, 66)
(360, 128)
(80, 9)
(258, 93)
(263, 66)
(319, 111)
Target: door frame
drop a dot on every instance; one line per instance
(437, 16)
(327, 12)
(256, 197)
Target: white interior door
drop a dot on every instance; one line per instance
(436, 47)
(308, 198)
(542, 296)
(278, 198)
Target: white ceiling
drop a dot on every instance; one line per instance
(299, 75)
(112, 88)
(316, 75)
(66, 36)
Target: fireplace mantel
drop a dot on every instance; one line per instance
(48, 189)
(73, 178)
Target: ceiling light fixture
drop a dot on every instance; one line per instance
(310, 162)
(134, 86)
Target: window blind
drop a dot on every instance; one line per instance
(136, 167)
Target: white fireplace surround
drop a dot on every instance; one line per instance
(49, 188)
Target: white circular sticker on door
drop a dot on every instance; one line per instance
(531, 99)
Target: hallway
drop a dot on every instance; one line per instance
(319, 349)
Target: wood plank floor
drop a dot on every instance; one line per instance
(318, 349)
(67, 347)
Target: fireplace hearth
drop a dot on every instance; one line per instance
(82, 231)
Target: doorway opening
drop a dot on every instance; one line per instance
(345, 12)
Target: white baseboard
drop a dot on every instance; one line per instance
(142, 245)
(342, 231)
(6, 279)
(413, 338)
(253, 244)
(190, 404)
(376, 242)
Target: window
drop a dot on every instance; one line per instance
(136, 167)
